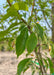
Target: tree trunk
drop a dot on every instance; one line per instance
(53, 27)
(53, 22)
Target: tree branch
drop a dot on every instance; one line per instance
(21, 18)
(9, 2)
(39, 62)
(32, 9)
(47, 21)
(17, 11)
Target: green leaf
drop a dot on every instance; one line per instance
(21, 42)
(29, 2)
(25, 69)
(24, 14)
(27, 66)
(52, 51)
(39, 30)
(11, 1)
(33, 72)
(22, 65)
(16, 6)
(31, 42)
(2, 39)
(5, 32)
(5, 6)
(13, 25)
(21, 5)
(46, 63)
(11, 12)
(50, 65)
(21, 27)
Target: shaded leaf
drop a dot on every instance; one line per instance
(21, 42)
(31, 42)
(21, 5)
(50, 65)
(22, 65)
(39, 30)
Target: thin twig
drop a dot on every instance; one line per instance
(39, 62)
(9, 2)
(41, 59)
(47, 21)
(32, 9)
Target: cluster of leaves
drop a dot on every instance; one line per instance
(29, 42)
(27, 31)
